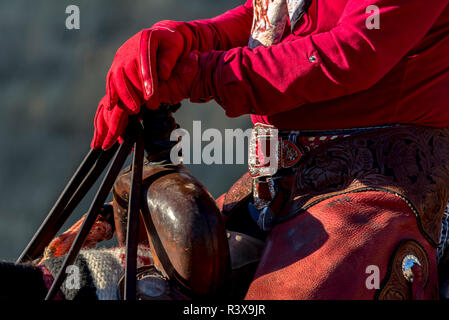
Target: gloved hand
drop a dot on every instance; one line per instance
(179, 86)
(191, 78)
(109, 125)
(132, 79)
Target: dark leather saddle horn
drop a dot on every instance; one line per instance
(183, 224)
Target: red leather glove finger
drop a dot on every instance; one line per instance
(101, 127)
(117, 120)
(170, 44)
(167, 42)
(109, 125)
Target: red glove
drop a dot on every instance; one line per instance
(179, 86)
(109, 125)
(132, 79)
(192, 78)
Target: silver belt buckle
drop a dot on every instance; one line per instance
(264, 151)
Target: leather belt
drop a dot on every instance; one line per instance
(274, 156)
(271, 149)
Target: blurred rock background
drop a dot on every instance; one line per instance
(51, 80)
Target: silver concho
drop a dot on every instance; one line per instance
(407, 263)
(151, 285)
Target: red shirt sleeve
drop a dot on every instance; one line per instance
(348, 58)
(229, 30)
